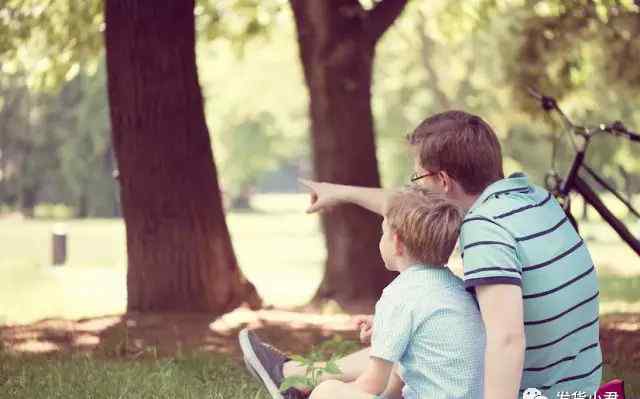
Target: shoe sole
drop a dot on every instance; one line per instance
(250, 369)
(251, 359)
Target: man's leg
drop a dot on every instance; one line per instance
(351, 366)
(334, 389)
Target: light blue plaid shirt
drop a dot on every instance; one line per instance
(430, 325)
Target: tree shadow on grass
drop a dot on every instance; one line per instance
(135, 335)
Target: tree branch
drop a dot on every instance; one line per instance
(382, 16)
(427, 45)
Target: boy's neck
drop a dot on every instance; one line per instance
(403, 263)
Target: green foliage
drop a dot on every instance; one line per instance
(56, 40)
(430, 61)
(55, 146)
(50, 39)
(238, 21)
(256, 106)
(319, 362)
(477, 56)
(571, 45)
(250, 144)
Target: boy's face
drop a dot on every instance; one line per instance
(387, 246)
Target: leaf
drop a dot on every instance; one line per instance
(300, 359)
(332, 368)
(295, 381)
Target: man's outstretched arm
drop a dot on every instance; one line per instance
(326, 195)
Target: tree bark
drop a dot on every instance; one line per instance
(337, 42)
(180, 255)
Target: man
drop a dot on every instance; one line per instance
(530, 271)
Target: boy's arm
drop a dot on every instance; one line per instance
(375, 378)
(326, 195)
(505, 344)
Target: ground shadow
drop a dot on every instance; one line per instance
(135, 335)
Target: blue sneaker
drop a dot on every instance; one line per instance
(265, 363)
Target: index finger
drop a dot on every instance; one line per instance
(307, 183)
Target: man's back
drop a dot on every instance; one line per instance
(517, 233)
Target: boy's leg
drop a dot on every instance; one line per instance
(351, 366)
(394, 387)
(334, 389)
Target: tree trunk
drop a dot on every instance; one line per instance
(337, 42)
(28, 201)
(179, 250)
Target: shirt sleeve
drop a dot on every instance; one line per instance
(489, 254)
(392, 329)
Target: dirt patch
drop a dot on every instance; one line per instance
(620, 339)
(133, 335)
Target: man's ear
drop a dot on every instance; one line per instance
(446, 181)
(398, 246)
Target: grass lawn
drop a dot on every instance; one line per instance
(279, 247)
(196, 376)
(201, 377)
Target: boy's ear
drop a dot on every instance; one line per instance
(398, 245)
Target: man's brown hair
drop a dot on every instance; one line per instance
(461, 144)
(426, 223)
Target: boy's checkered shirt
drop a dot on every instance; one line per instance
(430, 325)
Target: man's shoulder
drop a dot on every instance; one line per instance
(502, 211)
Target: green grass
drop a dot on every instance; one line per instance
(200, 376)
(279, 247)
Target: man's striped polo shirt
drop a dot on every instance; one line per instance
(517, 233)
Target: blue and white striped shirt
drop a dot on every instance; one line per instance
(517, 233)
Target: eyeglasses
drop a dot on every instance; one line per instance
(415, 177)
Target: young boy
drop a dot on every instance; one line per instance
(425, 322)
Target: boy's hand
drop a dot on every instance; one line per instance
(365, 324)
(324, 196)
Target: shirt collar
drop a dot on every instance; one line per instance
(516, 182)
(428, 272)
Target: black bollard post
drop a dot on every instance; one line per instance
(59, 245)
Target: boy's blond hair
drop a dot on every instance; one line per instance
(428, 224)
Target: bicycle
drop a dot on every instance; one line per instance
(561, 187)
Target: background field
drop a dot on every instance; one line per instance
(279, 247)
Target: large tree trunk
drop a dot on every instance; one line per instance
(179, 251)
(337, 41)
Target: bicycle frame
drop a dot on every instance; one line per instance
(574, 180)
(578, 184)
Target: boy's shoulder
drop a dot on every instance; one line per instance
(428, 288)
